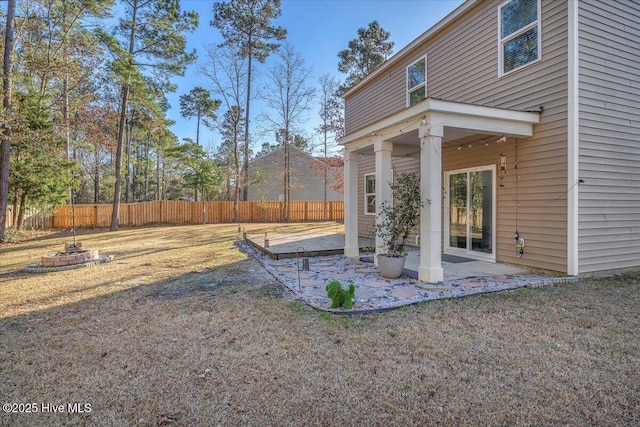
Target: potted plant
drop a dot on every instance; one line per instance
(396, 220)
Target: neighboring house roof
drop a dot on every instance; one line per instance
(295, 151)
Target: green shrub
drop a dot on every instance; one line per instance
(340, 297)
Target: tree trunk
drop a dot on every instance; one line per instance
(158, 174)
(65, 119)
(65, 96)
(118, 184)
(287, 176)
(198, 130)
(147, 150)
(245, 160)
(96, 176)
(324, 166)
(164, 182)
(229, 191)
(127, 185)
(14, 216)
(5, 146)
(121, 127)
(236, 191)
(23, 204)
(136, 171)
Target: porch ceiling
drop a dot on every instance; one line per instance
(450, 134)
(458, 120)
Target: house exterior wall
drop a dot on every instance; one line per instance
(366, 165)
(609, 135)
(266, 175)
(479, 155)
(462, 66)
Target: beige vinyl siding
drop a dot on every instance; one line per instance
(545, 246)
(462, 66)
(540, 221)
(609, 150)
(366, 165)
(462, 62)
(367, 104)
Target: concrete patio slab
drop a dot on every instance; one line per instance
(320, 244)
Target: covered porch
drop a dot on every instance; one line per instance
(420, 132)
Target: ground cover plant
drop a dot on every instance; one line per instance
(340, 297)
(183, 329)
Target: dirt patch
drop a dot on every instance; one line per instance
(183, 329)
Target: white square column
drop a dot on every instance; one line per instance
(430, 270)
(384, 178)
(351, 248)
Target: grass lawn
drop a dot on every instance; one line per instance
(183, 329)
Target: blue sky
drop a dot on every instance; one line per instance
(318, 30)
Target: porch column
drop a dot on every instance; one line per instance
(430, 269)
(351, 248)
(384, 177)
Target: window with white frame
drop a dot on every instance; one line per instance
(370, 194)
(417, 82)
(519, 34)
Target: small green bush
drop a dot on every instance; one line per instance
(340, 297)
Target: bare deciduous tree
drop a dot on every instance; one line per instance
(227, 70)
(289, 95)
(331, 123)
(247, 24)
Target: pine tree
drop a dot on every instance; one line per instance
(152, 35)
(5, 145)
(198, 103)
(365, 54)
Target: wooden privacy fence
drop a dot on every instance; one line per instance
(185, 212)
(33, 219)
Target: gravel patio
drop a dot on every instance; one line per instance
(284, 253)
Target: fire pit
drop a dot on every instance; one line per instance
(74, 256)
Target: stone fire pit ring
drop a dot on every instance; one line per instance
(74, 256)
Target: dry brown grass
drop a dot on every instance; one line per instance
(182, 329)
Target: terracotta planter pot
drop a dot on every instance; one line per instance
(390, 267)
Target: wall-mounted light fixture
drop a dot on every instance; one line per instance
(503, 162)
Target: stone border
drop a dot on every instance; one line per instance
(37, 268)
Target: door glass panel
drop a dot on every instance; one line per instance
(458, 210)
(481, 212)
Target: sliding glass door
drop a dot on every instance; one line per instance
(470, 212)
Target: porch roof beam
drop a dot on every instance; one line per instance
(449, 114)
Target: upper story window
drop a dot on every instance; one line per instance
(416, 82)
(519, 34)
